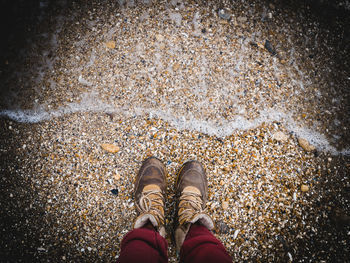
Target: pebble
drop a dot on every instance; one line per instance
(294, 196)
(235, 234)
(114, 191)
(224, 205)
(176, 66)
(269, 47)
(224, 14)
(280, 136)
(110, 147)
(306, 145)
(110, 44)
(159, 37)
(304, 188)
(226, 169)
(242, 19)
(222, 227)
(117, 176)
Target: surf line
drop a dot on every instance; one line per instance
(220, 128)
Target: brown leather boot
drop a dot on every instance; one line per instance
(192, 194)
(149, 193)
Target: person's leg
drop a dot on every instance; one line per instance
(146, 243)
(192, 236)
(143, 245)
(201, 245)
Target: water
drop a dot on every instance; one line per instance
(215, 81)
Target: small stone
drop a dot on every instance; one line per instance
(222, 227)
(110, 147)
(269, 47)
(226, 169)
(224, 205)
(283, 61)
(176, 66)
(242, 19)
(116, 176)
(224, 13)
(304, 188)
(110, 44)
(294, 196)
(235, 234)
(114, 191)
(280, 136)
(306, 145)
(221, 162)
(159, 37)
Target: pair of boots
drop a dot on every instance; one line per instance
(191, 192)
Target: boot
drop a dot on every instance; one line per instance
(149, 195)
(192, 194)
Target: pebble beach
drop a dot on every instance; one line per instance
(257, 91)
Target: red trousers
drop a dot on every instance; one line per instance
(147, 246)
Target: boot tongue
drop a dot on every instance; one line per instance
(151, 187)
(188, 209)
(191, 189)
(156, 207)
(156, 188)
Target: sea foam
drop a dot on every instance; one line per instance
(219, 128)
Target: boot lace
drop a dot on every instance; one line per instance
(150, 202)
(190, 204)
